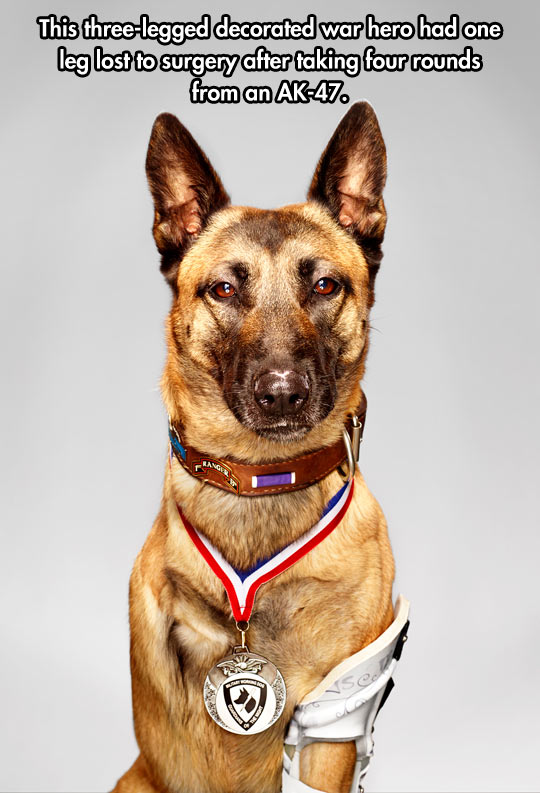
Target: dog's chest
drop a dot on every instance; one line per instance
(300, 622)
(295, 624)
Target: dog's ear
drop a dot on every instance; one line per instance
(185, 188)
(350, 177)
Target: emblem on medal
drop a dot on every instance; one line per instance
(244, 692)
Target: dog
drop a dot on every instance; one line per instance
(267, 339)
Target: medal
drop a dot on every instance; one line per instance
(244, 692)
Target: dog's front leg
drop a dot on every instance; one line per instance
(328, 766)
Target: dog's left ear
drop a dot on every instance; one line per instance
(350, 177)
(185, 188)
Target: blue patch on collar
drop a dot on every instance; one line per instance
(177, 446)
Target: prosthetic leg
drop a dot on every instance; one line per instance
(344, 705)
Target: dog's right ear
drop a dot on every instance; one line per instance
(185, 188)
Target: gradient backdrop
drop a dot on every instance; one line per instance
(451, 448)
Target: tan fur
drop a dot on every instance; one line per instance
(333, 602)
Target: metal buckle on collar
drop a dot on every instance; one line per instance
(352, 445)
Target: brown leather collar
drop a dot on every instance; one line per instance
(271, 478)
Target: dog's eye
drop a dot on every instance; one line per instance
(325, 286)
(224, 289)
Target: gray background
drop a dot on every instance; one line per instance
(451, 448)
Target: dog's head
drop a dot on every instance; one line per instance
(268, 330)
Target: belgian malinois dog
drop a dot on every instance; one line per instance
(267, 341)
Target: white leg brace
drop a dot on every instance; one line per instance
(344, 705)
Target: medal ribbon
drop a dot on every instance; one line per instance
(242, 586)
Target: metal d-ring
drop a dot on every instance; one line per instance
(351, 462)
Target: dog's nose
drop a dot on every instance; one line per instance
(281, 393)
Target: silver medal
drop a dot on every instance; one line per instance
(244, 692)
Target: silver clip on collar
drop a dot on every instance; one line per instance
(353, 449)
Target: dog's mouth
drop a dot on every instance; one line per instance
(283, 432)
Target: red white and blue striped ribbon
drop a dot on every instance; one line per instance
(242, 586)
